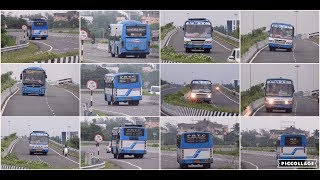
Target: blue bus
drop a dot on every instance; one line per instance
(279, 94)
(123, 87)
(129, 140)
(33, 81)
(292, 146)
(39, 142)
(281, 36)
(198, 34)
(37, 28)
(194, 148)
(129, 38)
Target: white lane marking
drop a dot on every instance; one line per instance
(13, 146)
(129, 163)
(44, 44)
(294, 58)
(49, 105)
(221, 45)
(257, 54)
(229, 98)
(5, 104)
(170, 38)
(110, 111)
(257, 110)
(72, 94)
(64, 156)
(295, 108)
(251, 164)
(214, 105)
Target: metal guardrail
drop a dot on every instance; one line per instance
(313, 34)
(3, 166)
(13, 48)
(95, 166)
(227, 36)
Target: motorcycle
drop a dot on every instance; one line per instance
(65, 151)
(93, 41)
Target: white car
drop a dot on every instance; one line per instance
(109, 147)
(235, 56)
(155, 90)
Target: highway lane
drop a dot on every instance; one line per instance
(58, 43)
(147, 106)
(97, 53)
(56, 102)
(169, 161)
(149, 160)
(304, 51)
(220, 51)
(54, 158)
(303, 106)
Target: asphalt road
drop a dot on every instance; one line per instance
(149, 160)
(169, 161)
(95, 53)
(56, 42)
(220, 51)
(54, 158)
(56, 102)
(146, 107)
(304, 51)
(304, 106)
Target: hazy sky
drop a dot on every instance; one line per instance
(179, 73)
(227, 120)
(305, 123)
(308, 75)
(30, 12)
(54, 125)
(54, 71)
(178, 17)
(89, 119)
(308, 21)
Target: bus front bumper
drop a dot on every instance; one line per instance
(280, 46)
(196, 161)
(127, 98)
(279, 106)
(33, 90)
(39, 150)
(198, 46)
(130, 151)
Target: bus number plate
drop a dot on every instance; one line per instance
(135, 48)
(196, 161)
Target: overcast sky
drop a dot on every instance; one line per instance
(54, 125)
(31, 12)
(54, 71)
(89, 119)
(308, 21)
(178, 17)
(227, 120)
(180, 73)
(268, 122)
(308, 75)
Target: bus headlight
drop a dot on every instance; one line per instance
(218, 88)
(209, 95)
(287, 102)
(193, 95)
(270, 101)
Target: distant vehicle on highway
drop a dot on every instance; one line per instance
(281, 36)
(129, 140)
(39, 142)
(194, 148)
(109, 147)
(129, 38)
(200, 91)
(155, 90)
(279, 94)
(123, 87)
(235, 56)
(33, 81)
(198, 34)
(292, 146)
(37, 29)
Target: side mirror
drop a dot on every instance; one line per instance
(46, 76)
(20, 76)
(183, 28)
(231, 57)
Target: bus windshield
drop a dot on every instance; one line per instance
(39, 23)
(279, 88)
(136, 31)
(197, 31)
(33, 77)
(282, 31)
(136, 132)
(196, 138)
(39, 140)
(128, 78)
(293, 141)
(201, 85)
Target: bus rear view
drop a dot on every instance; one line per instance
(292, 146)
(281, 36)
(194, 148)
(37, 28)
(198, 34)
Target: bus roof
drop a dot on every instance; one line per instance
(118, 74)
(35, 68)
(200, 80)
(131, 22)
(279, 79)
(281, 24)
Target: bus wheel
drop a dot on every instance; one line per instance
(113, 55)
(188, 50)
(109, 103)
(207, 50)
(183, 166)
(269, 109)
(31, 153)
(120, 156)
(143, 56)
(270, 48)
(45, 153)
(289, 50)
(207, 166)
(136, 103)
(116, 103)
(288, 110)
(136, 156)
(115, 156)
(141, 156)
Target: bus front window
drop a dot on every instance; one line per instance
(283, 90)
(282, 31)
(39, 140)
(196, 31)
(33, 77)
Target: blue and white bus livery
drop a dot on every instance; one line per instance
(37, 28)
(281, 36)
(292, 146)
(39, 142)
(33, 81)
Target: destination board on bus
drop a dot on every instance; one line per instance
(196, 138)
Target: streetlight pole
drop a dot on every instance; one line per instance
(250, 75)
(187, 15)
(297, 66)
(252, 21)
(296, 22)
(9, 126)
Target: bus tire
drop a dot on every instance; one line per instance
(115, 103)
(31, 153)
(120, 156)
(115, 156)
(270, 49)
(41, 94)
(136, 156)
(144, 56)
(45, 153)
(207, 50)
(289, 50)
(207, 165)
(141, 156)
(288, 110)
(109, 103)
(188, 50)
(183, 166)
(136, 103)
(113, 55)
(268, 109)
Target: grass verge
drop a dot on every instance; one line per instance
(31, 54)
(169, 53)
(6, 141)
(165, 29)
(71, 87)
(230, 41)
(99, 113)
(110, 165)
(250, 39)
(255, 92)
(13, 160)
(168, 148)
(59, 149)
(228, 153)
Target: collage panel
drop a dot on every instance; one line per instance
(120, 36)
(40, 142)
(38, 36)
(200, 90)
(280, 143)
(120, 90)
(200, 36)
(199, 142)
(280, 36)
(120, 142)
(280, 90)
(40, 90)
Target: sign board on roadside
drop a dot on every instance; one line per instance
(92, 85)
(98, 138)
(83, 34)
